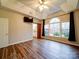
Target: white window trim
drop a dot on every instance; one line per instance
(60, 29)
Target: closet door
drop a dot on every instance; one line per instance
(3, 32)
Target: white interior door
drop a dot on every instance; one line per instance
(3, 32)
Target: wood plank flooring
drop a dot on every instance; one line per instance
(40, 49)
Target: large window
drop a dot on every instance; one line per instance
(54, 27)
(47, 30)
(65, 29)
(57, 28)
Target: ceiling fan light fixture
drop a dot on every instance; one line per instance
(42, 7)
(41, 2)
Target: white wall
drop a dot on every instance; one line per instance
(77, 25)
(18, 30)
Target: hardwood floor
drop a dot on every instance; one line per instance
(40, 49)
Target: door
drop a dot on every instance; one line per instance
(35, 30)
(3, 32)
(38, 31)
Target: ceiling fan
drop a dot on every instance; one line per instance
(43, 2)
(43, 5)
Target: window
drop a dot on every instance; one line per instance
(65, 29)
(54, 27)
(54, 20)
(57, 27)
(35, 30)
(47, 30)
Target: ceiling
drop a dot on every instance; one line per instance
(54, 6)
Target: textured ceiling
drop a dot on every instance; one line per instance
(31, 7)
(53, 6)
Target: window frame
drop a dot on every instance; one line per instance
(59, 30)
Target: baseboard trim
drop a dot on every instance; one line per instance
(19, 42)
(16, 43)
(4, 46)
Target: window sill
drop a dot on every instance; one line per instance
(62, 40)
